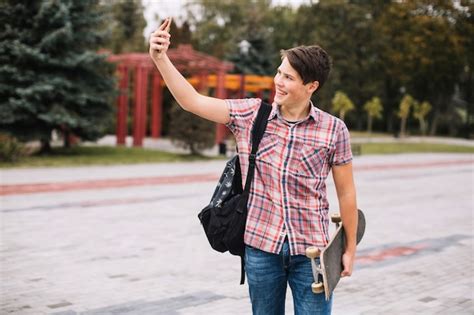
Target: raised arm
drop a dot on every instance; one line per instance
(189, 99)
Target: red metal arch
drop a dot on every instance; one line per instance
(187, 61)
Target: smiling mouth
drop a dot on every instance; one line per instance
(281, 93)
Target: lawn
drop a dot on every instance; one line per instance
(102, 155)
(394, 148)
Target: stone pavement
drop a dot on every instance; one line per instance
(126, 240)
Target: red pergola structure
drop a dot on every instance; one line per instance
(187, 61)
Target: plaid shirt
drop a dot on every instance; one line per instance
(288, 194)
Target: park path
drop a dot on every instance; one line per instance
(126, 240)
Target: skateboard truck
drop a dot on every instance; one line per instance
(336, 218)
(312, 253)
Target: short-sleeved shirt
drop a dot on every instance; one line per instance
(288, 194)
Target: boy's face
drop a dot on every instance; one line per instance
(289, 87)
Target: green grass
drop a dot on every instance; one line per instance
(365, 134)
(393, 148)
(79, 156)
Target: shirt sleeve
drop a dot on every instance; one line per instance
(242, 112)
(342, 153)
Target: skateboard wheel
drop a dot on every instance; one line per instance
(312, 252)
(336, 218)
(317, 287)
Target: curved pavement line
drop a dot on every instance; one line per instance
(18, 189)
(103, 184)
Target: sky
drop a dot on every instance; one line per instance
(165, 8)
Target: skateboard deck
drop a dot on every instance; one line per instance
(330, 265)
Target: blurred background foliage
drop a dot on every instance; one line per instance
(380, 48)
(53, 75)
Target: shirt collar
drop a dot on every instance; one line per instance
(275, 111)
(314, 112)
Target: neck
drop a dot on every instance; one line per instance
(295, 112)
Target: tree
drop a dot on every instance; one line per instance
(253, 55)
(341, 104)
(427, 57)
(345, 29)
(51, 76)
(392, 46)
(419, 112)
(190, 131)
(378, 47)
(219, 26)
(465, 29)
(374, 111)
(126, 26)
(179, 34)
(280, 23)
(404, 111)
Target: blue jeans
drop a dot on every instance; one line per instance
(268, 275)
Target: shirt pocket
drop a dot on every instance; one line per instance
(313, 159)
(267, 147)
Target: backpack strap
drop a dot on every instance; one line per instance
(242, 270)
(258, 129)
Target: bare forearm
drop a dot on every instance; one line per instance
(346, 195)
(181, 89)
(349, 217)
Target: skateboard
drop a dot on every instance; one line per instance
(328, 272)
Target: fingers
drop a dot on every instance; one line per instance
(346, 273)
(157, 47)
(160, 40)
(347, 261)
(159, 43)
(160, 34)
(165, 26)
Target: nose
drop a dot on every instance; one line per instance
(277, 80)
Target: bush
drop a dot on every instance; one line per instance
(190, 131)
(10, 148)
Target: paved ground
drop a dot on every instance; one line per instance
(126, 240)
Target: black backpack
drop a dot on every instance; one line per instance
(224, 218)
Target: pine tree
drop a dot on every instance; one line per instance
(180, 34)
(254, 55)
(51, 76)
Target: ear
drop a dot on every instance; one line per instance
(313, 86)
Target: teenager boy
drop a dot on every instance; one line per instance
(288, 206)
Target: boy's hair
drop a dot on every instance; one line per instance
(311, 62)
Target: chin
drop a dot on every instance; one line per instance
(279, 100)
